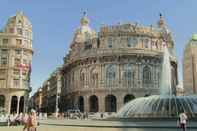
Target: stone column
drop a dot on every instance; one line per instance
(101, 103)
(86, 103)
(7, 103)
(18, 104)
(119, 102)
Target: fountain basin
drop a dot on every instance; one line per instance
(157, 106)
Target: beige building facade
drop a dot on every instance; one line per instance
(190, 67)
(15, 63)
(48, 97)
(106, 69)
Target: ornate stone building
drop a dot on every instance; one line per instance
(15, 63)
(105, 70)
(189, 67)
(47, 98)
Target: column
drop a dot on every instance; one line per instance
(101, 103)
(18, 101)
(119, 102)
(7, 103)
(86, 104)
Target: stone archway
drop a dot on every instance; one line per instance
(93, 103)
(128, 98)
(81, 103)
(21, 104)
(110, 103)
(14, 104)
(2, 102)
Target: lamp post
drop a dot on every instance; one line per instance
(58, 94)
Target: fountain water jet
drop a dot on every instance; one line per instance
(166, 74)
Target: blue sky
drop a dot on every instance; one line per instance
(54, 22)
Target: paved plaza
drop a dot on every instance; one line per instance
(70, 128)
(89, 125)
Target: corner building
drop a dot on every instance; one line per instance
(15, 63)
(105, 70)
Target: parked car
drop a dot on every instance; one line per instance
(73, 113)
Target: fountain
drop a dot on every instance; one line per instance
(165, 105)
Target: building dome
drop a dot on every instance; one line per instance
(194, 37)
(84, 32)
(20, 20)
(84, 19)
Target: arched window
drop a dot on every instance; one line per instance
(110, 42)
(81, 103)
(14, 104)
(2, 101)
(94, 77)
(128, 74)
(129, 42)
(146, 75)
(21, 104)
(93, 104)
(82, 78)
(110, 74)
(128, 98)
(110, 103)
(146, 43)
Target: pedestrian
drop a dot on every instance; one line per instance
(32, 121)
(8, 120)
(183, 121)
(25, 118)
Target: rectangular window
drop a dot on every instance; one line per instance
(25, 42)
(17, 61)
(17, 51)
(19, 31)
(5, 41)
(4, 51)
(16, 72)
(11, 30)
(18, 41)
(25, 53)
(110, 42)
(2, 72)
(2, 83)
(25, 61)
(16, 82)
(4, 61)
(24, 72)
(25, 83)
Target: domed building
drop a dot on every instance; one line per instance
(15, 63)
(105, 70)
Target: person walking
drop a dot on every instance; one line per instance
(31, 124)
(25, 118)
(183, 121)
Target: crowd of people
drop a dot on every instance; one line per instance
(28, 120)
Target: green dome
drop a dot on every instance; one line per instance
(194, 37)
